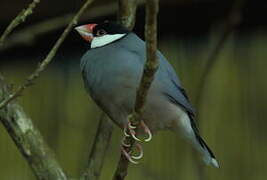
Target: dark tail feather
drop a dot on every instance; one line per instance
(208, 155)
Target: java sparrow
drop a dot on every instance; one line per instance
(112, 69)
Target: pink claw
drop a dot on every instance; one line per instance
(147, 130)
(132, 132)
(126, 154)
(131, 126)
(140, 149)
(124, 144)
(125, 131)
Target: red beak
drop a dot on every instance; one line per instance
(86, 31)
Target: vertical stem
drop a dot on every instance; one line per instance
(126, 13)
(99, 149)
(150, 69)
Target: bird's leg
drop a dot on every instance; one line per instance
(130, 130)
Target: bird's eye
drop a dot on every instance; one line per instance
(101, 32)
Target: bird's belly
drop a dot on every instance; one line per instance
(117, 99)
(158, 113)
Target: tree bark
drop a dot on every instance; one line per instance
(29, 140)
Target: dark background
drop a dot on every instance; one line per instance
(231, 115)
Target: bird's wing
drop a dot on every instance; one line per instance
(174, 91)
(166, 75)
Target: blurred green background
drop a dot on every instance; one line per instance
(231, 116)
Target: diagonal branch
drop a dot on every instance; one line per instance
(147, 78)
(97, 155)
(20, 127)
(41, 67)
(29, 140)
(28, 35)
(21, 17)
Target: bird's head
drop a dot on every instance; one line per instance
(101, 34)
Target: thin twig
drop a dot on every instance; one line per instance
(21, 17)
(29, 140)
(28, 34)
(148, 75)
(99, 148)
(48, 59)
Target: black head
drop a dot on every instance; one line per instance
(109, 28)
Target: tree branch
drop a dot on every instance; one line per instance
(99, 148)
(41, 67)
(29, 140)
(28, 34)
(21, 17)
(126, 13)
(148, 75)
(21, 129)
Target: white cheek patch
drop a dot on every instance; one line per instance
(105, 39)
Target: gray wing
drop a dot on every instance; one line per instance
(165, 75)
(173, 89)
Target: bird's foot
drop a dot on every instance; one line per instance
(129, 157)
(132, 132)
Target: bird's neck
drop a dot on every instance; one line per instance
(106, 39)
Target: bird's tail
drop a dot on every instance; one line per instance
(208, 155)
(186, 125)
(201, 145)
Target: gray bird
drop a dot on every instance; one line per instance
(112, 69)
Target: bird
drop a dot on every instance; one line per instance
(112, 69)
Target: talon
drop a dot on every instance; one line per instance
(132, 132)
(147, 130)
(130, 125)
(124, 144)
(139, 147)
(125, 132)
(128, 157)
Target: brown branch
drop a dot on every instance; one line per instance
(21, 17)
(29, 140)
(99, 148)
(48, 58)
(148, 75)
(21, 129)
(126, 13)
